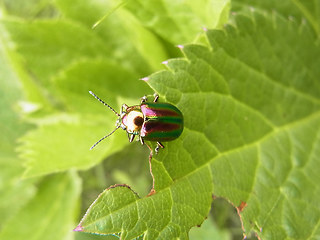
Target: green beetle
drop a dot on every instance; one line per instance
(150, 121)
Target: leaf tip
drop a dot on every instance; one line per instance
(79, 228)
(180, 46)
(145, 79)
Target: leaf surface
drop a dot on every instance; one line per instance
(252, 135)
(299, 9)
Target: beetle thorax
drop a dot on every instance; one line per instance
(133, 121)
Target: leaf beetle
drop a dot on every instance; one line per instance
(150, 121)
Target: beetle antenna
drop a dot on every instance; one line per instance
(104, 137)
(105, 104)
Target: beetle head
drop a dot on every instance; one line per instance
(132, 121)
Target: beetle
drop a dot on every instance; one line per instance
(150, 121)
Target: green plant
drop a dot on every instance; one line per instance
(247, 84)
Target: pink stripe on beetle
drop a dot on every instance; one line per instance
(149, 112)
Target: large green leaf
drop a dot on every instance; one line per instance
(251, 108)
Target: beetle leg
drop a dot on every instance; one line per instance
(131, 137)
(159, 145)
(144, 99)
(124, 108)
(156, 97)
(142, 141)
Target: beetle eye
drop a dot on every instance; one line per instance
(138, 121)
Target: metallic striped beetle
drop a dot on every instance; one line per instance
(150, 121)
